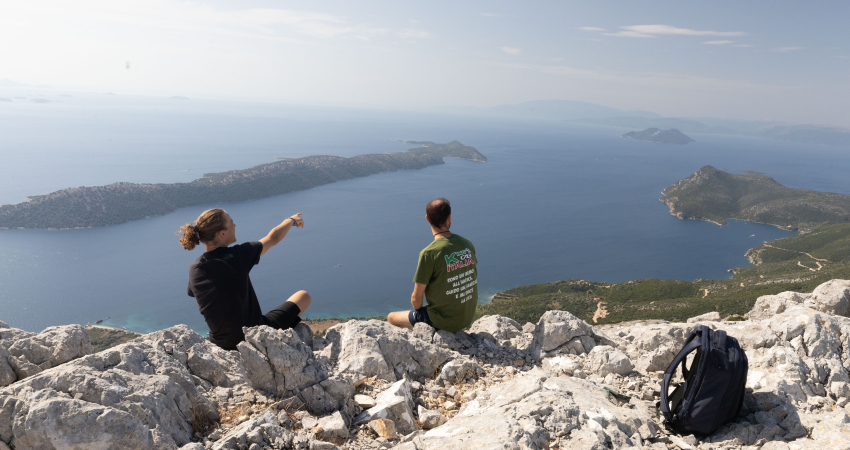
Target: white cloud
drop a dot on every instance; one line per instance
(718, 42)
(669, 30)
(787, 49)
(511, 50)
(652, 79)
(591, 29)
(486, 14)
(633, 34)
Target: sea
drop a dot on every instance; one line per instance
(555, 201)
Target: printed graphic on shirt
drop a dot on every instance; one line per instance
(463, 285)
(458, 260)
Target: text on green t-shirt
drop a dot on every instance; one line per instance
(448, 268)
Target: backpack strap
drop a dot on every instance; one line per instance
(691, 344)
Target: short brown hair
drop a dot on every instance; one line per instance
(204, 229)
(438, 212)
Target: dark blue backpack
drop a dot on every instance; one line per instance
(713, 391)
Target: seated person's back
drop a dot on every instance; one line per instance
(446, 277)
(447, 268)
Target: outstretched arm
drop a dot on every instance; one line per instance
(279, 232)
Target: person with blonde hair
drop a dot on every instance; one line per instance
(219, 281)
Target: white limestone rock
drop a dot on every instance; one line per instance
(496, 328)
(27, 354)
(136, 384)
(395, 404)
(832, 297)
(605, 360)
(333, 428)
(712, 316)
(292, 362)
(561, 365)
(560, 332)
(458, 370)
(374, 348)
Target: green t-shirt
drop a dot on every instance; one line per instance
(447, 266)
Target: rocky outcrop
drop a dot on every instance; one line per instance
(23, 354)
(560, 383)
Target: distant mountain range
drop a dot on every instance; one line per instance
(590, 113)
(806, 134)
(5, 82)
(563, 110)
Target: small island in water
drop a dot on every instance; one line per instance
(116, 203)
(671, 136)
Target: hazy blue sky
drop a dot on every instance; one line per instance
(774, 60)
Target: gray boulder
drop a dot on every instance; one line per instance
(333, 428)
(531, 411)
(7, 373)
(560, 332)
(291, 361)
(395, 404)
(497, 329)
(216, 366)
(561, 365)
(27, 354)
(605, 359)
(459, 370)
(53, 421)
(832, 297)
(140, 389)
(768, 306)
(332, 394)
(374, 348)
(712, 316)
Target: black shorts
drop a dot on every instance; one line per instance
(283, 317)
(419, 315)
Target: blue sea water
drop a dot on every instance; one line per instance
(555, 201)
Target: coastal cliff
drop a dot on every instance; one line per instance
(124, 202)
(558, 383)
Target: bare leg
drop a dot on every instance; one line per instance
(302, 299)
(399, 319)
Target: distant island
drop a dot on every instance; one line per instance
(806, 134)
(116, 203)
(671, 136)
(714, 195)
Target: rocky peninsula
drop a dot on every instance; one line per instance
(124, 202)
(559, 383)
(715, 195)
(671, 136)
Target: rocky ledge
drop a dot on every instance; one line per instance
(560, 383)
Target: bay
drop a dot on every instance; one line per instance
(555, 201)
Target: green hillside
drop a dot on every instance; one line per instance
(782, 265)
(714, 195)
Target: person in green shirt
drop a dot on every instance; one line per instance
(447, 277)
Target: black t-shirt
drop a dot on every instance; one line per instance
(220, 284)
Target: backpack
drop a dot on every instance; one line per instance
(713, 391)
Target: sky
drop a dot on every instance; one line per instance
(757, 60)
